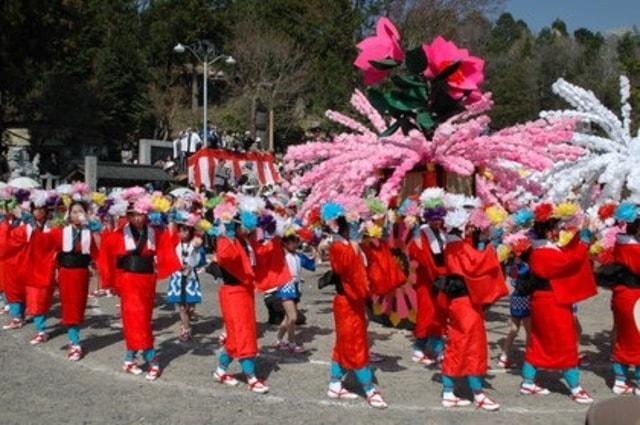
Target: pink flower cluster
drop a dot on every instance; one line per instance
(358, 162)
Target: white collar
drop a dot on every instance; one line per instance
(433, 240)
(130, 243)
(67, 240)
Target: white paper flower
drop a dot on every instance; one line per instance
(610, 167)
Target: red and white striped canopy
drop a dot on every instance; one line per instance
(204, 164)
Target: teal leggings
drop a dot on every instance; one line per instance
(16, 310)
(622, 370)
(364, 375)
(572, 376)
(248, 365)
(149, 355)
(436, 343)
(40, 322)
(73, 332)
(475, 383)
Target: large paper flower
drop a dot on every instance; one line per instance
(468, 76)
(384, 45)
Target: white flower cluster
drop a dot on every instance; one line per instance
(609, 169)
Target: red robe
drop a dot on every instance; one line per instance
(431, 318)
(38, 281)
(237, 301)
(73, 283)
(626, 348)
(13, 255)
(383, 271)
(271, 265)
(466, 352)
(137, 290)
(351, 350)
(553, 341)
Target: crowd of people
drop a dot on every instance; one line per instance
(465, 254)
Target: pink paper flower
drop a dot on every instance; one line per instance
(384, 45)
(225, 212)
(467, 78)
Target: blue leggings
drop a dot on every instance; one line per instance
(572, 376)
(364, 376)
(436, 343)
(149, 355)
(16, 310)
(40, 322)
(73, 332)
(475, 383)
(248, 365)
(621, 371)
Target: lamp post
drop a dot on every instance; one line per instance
(206, 53)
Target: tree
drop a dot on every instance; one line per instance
(270, 67)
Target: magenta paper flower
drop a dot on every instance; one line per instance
(384, 45)
(467, 78)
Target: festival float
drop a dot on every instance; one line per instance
(427, 124)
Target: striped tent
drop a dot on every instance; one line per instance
(205, 164)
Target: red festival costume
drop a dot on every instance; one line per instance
(237, 301)
(351, 350)
(430, 316)
(466, 352)
(137, 289)
(553, 342)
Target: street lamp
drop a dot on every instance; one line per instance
(206, 53)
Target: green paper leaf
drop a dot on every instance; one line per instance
(377, 100)
(397, 101)
(385, 64)
(416, 60)
(424, 120)
(391, 129)
(408, 81)
(418, 93)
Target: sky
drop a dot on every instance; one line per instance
(596, 15)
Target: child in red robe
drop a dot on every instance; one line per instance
(351, 350)
(134, 257)
(473, 281)
(34, 236)
(625, 285)
(560, 277)
(76, 247)
(236, 259)
(427, 249)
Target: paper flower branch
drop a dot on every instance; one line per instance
(609, 170)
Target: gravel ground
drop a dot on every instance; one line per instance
(40, 386)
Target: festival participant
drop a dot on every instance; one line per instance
(289, 293)
(236, 259)
(518, 271)
(427, 249)
(625, 285)
(75, 247)
(383, 271)
(134, 257)
(184, 285)
(351, 349)
(14, 252)
(560, 277)
(473, 281)
(5, 225)
(35, 236)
